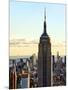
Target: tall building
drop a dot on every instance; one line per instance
(13, 77)
(44, 59)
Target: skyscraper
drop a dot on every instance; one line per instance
(44, 59)
(13, 77)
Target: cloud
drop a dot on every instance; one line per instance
(28, 47)
(22, 42)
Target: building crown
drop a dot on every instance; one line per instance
(44, 36)
(44, 32)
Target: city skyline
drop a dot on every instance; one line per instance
(37, 45)
(23, 26)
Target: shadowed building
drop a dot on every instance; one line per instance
(13, 77)
(44, 59)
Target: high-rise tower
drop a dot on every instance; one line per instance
(44, 59)
(13, 77)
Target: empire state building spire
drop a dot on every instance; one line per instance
(44, 35)
(45, 22)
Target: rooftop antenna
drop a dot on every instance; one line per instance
(45, 21)
(45, 14)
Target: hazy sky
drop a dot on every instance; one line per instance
(27, 18)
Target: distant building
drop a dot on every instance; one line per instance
(44, 60)
(33, 60)
(59, 73)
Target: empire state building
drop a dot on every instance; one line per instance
(44, 59)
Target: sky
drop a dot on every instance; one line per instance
(26, 23)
